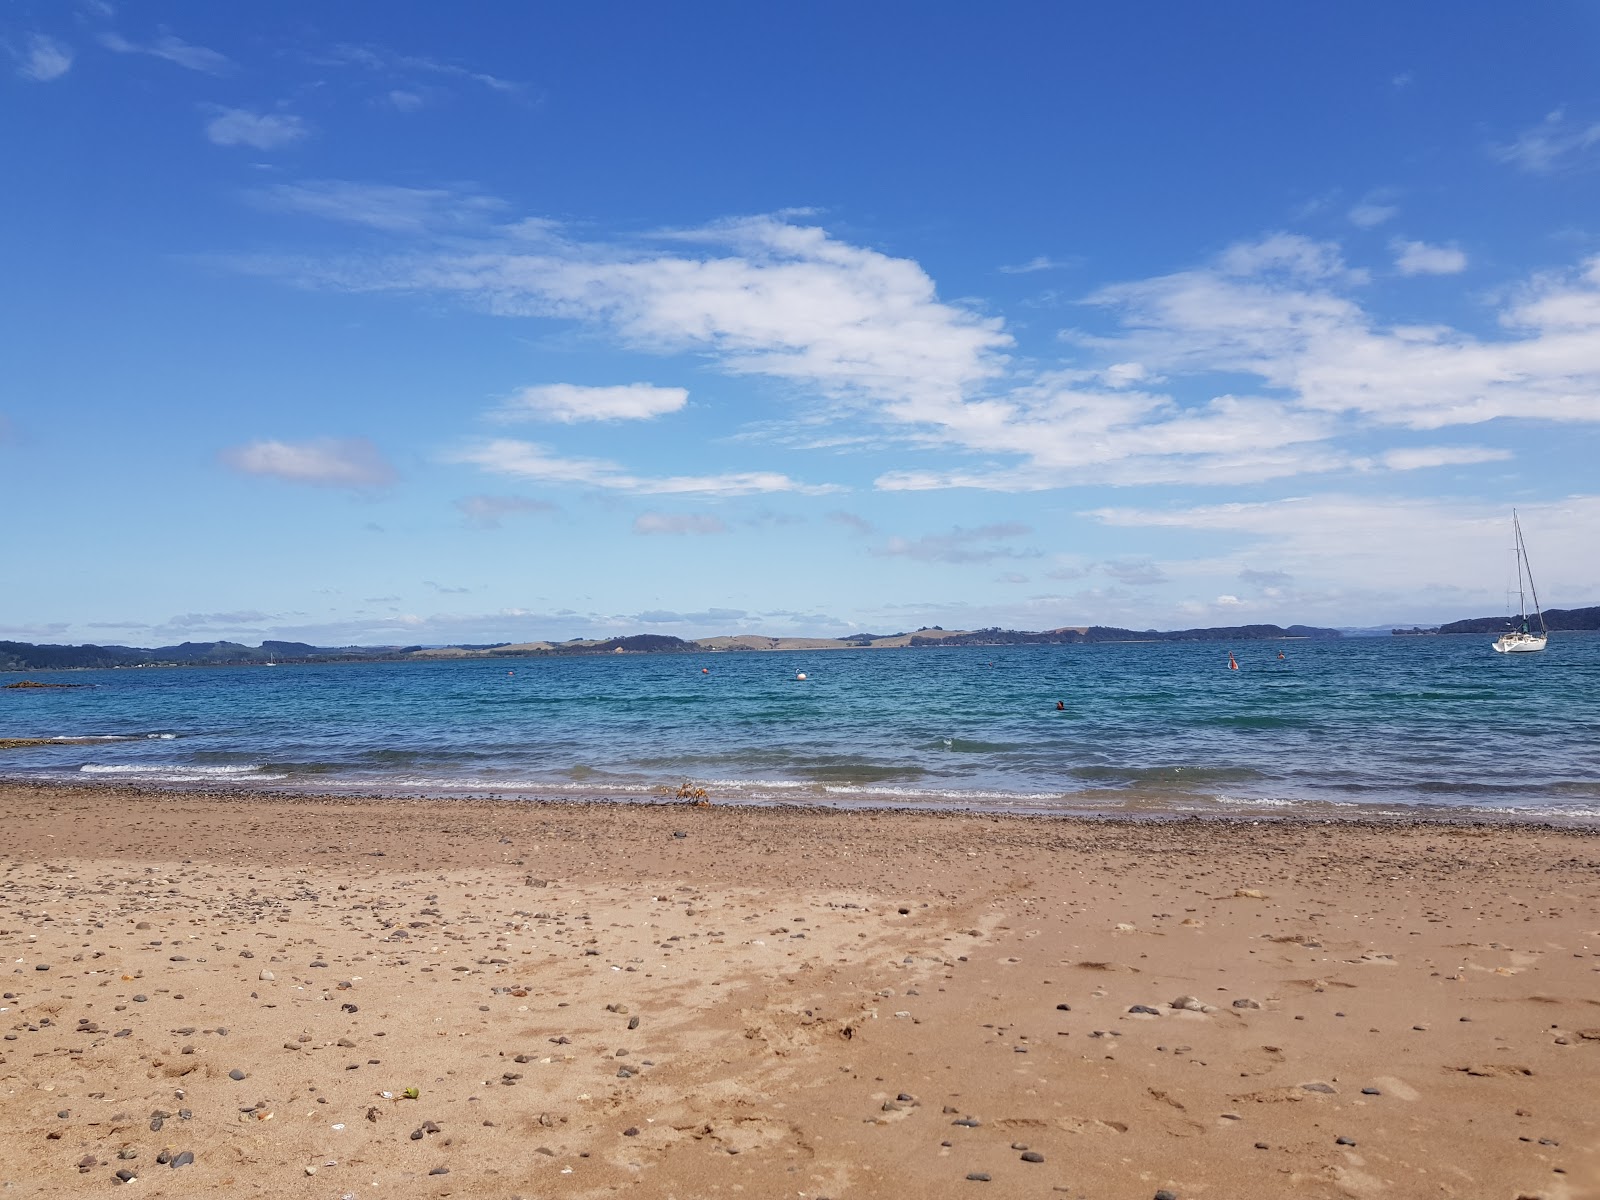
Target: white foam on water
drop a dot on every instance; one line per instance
(171, 773)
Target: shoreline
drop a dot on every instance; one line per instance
(687, 1001)
(1308, 813)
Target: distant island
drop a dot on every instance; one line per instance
(1555, 619)
(25, 656)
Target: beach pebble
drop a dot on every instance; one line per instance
(1063, 1008)
(1189, 1004)
(1244, 1002)
(1033, 1156)
(1371, 1092)
(1146, 1010)
(236, 1075)
(1325, 1088)
(1164, 1194)
(181, 1160)
(978, 1176)
(1344, 1141)
(266, 974)
(124, 1176)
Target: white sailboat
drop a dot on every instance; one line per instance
(1522, 640)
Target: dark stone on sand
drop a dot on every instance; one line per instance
(1246, 1003)
(156, 1123)
(124, 1176)
(1163, 1194)
(318, 963)
(42, 967)
(631, 1131)
(1063, 1008)
(1325, 1088)
(1262, 1146)
(1146, 1010)
(633, 1022)
(236, 1075)
(966, 1122)
(978, 1176)
(1371, 1092)
(440, 1171)
(416, 1135)
(181, 1160)
(678, 833)
(1033, 1156)
(904, 1098)
(1344, 1141)
(140, 998)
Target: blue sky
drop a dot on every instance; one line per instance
(398, 323)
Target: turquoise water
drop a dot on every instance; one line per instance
(1357, 726)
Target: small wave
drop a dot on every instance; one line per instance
(151, 768)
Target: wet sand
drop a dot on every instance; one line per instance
(715, 1002)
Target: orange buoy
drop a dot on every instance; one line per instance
(1233, 663)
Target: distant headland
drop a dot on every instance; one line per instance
(25, 656)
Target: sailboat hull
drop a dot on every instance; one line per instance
(1519, 643)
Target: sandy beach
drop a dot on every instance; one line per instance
(254, 996)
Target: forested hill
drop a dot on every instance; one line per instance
(1554, 619)
(24, 656)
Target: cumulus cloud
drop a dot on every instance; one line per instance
(263, 131)
(42, 58)
(678, 523)
(569, 403)
(172, 49)
(327, 462)
(1419, 258)
(530, 460)
(979, 545)
(1556, 143)
(486, 512)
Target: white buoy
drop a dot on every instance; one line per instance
(800, 675)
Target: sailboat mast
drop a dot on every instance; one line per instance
(1522, 552)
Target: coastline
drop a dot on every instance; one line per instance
(789, 1000)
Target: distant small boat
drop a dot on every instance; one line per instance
(1523, 640)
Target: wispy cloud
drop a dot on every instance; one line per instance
(980, 545)
(174, 50)
(1556, 143)
(570, 403)
(42, 58)
(487, 512)
(1419, 258)
(326, 462)
(1369, 215)
(1039, 263)
(678, 523)
(1135, 572)
(384, 61)
(853, 521)
(530, 460)
(399, 210)
(263, 131)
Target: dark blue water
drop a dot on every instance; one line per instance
(1369, 725)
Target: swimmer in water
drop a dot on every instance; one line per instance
(1061, 706)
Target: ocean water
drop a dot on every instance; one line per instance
(1361, 726)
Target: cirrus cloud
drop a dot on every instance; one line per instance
(570, 403)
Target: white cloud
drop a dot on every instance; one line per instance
(384, 61)
(1554, 144)
(264, 131)
(1039, 263)
(1305, 337)
(1419, 258)
(43, 59)
(1368, 215)
(530, 460)
(1413, 458)
(329, 462)
(1354, 546)
(486, 512)
(569, 403)
(678, 523)
(174, 50)
(980, 545)
(401, 210)
(864, 338)
(405, 101)
(1135, 572)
